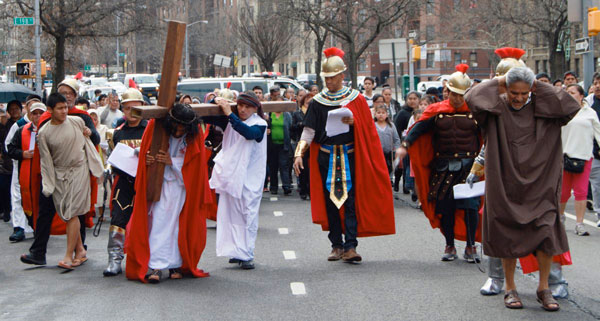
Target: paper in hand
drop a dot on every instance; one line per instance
(124, 158)
(462, 191)
(334, 125)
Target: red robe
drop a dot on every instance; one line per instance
(192, 219)
(59, 227)
(373, 191)
(421, 155)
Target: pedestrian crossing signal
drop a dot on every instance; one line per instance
(23, 69)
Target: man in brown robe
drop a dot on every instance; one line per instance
(522, 132)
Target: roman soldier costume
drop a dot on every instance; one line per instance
(442, 146)
(123, 191)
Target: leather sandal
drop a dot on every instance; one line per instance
(512, 300)
(65, 265)
(154, 277)
(175, 274)
(547, 300)
(79, 262)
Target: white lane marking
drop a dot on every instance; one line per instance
(574, 218)
(289, 255)
(283, 230)
(298, 288)
(273, 199)
(278, 213)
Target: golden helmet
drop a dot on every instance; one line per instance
(132, 94)
(510, 58)
(333, 63)
(71, 83)
(226, 93)
(459, 82)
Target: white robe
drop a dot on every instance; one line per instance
(238, 177)
(17, 214)
(164, 214)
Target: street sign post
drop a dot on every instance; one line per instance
(393, 51)
(582, 45)
(23, 21)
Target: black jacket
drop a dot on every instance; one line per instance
(402, 119)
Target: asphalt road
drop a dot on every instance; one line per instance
(401, 278)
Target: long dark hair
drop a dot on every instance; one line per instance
(182, 114)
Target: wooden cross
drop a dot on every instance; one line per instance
(166, 99)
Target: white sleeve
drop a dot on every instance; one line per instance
(13, 129)
(308, 134)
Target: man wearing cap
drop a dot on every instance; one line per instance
(442, 147)
(69, 89)
(129, 133)
(570, 77)
(350, 177)
(25, 145)
(171, 232)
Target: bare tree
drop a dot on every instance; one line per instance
(358, 24)
(267, 34)
(536, 18)
(71, 19)
(312, 14)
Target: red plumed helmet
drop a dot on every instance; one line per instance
(333, 51)
(229, 85)
(462, 68)
(508, 52)
(79, 76)
(132, 83)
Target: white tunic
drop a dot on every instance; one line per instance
(164, 214)
(238, 177)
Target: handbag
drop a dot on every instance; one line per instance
(573, 165)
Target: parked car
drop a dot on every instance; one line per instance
(424, 85)
(87, 92)
(307, 80)
(96, 81)
(199, 87)
(146, 83)
(118, 87)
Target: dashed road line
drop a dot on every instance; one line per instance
(278, 213)
(289, 255)
(298, 288)
(273, 199)
(587, 222)
(283, 230)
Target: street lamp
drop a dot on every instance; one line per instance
(187, 54)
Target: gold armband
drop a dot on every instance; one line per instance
(477, 169)
(301, 148)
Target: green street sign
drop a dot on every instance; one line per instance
(5, 53)
(23, 21)
(87, 67)
(121, 54)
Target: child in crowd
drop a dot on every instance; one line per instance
(390, 141)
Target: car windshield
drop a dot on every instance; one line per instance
(144, 80)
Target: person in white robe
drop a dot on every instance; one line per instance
(238, 176)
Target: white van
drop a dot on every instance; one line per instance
(146, 83)
(199, 87)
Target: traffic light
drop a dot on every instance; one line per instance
(593, 21)
(416, 53)
(23, 69)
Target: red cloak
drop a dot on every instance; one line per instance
(192, 219)
(59, 227)
(421, 154)
(374, 201)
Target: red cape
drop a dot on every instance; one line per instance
(421, 155)
(192, 219)
(59, 227)
(373, 191)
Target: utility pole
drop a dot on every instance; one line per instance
(118, 66)
(588, 57)
(38, 65)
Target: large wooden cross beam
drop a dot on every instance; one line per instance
(166, 99)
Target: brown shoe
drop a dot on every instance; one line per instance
(351, 256)
(336, 254)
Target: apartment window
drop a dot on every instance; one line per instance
(473, 59)
(537, 66)
(430, 59)
(307, 45)
(429, 33)
(545, 66)
(362, 64)
(281, 68)
(307, 67)
(457, 58)
(243, 69)
(430, 7)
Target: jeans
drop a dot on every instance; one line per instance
(278, 161)
(595, 182)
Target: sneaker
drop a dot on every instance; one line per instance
(18, 235)
(580, 230)
(471, 255)
(247, 265)
(449, 254)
